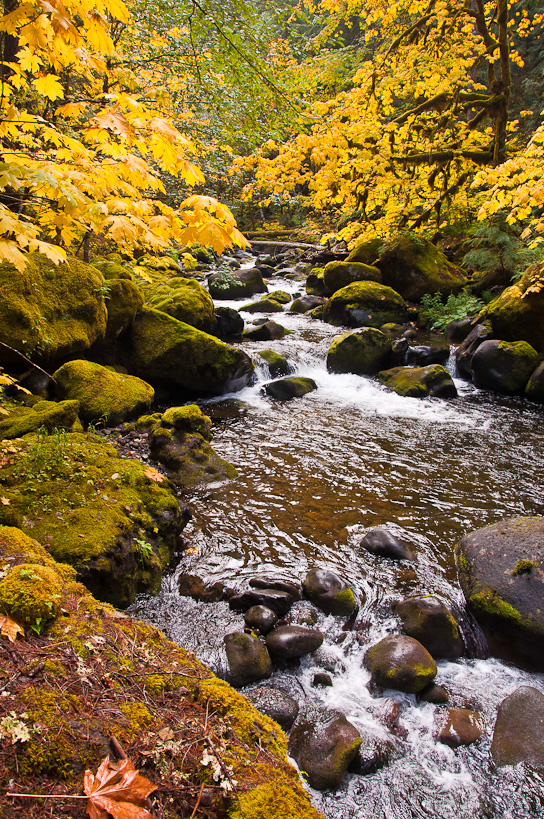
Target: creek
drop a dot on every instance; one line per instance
(314, 474)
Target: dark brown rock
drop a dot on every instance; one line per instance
(459, 726)
(402, 663)
(519, 730)
(291, 642)
(429, 621)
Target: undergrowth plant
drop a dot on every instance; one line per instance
(437, 314)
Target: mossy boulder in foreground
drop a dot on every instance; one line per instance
(168, 353)
(103, 393)
(501, 571)
(518, 313)
(414, 266)
(420, 382)
(92, 509)
(49, 312)
(503, 366)
(93, 673)
(362, 353)
(123, 301)
(402, 663)
(365, 304)
(46, 415)
(186, 300)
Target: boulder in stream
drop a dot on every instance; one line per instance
(277, 600)
(422, 355)
(502, 577)
(276, 704)
(402, 663)
(291, 387)
(428, 620)
(519, 731)
(266, 305)
(277, 364)
(306, 303)
(292, 642)
(339, 274)
(229, 324)
(518, 313)
(503, 366)
(375, 751)
(535, 387)
(379, 541)
(459, 726)
(248, 658)
(261, 618)
(236, 284)
(267, 331)
(324, 743)
(329, 593)
(362, 353)
(467, 348)
(420, 382)
(365, 304)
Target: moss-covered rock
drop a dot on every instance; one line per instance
(305, 304)
(277, 364)
(31, 593)
(113, 269)
(323, 743)
(362, 353)
(170, 354)
(535, 386)
(123, 300)
(90, 508)
(501, 571)
(366, 251)
(43, 414)
(180, 441)
(50, 311)
(281, 296)
(269, 331)
(263, 306)
(339, 274)
(518, 313)
(186, 300)
(315, 283)
(103, 393)
(401, 663)
(365, 304)
(420, 382)
(428, 620)
(236, 284)
(414, 266)
(503, 366)
(285, 389)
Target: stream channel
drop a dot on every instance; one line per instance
(314, 474)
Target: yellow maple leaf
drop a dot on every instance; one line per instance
(49, 86)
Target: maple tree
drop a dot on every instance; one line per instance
(82, 149)
(399, 142)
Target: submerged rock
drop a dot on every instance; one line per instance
(362, 353)
(519, 731)
(328, 592)
(401, 663)
(291, 642)
(375, 752)
(324, 743)
(248, 658)
(503, 366)
(428, 620)
(286, 389)
(501, 571)
(276, 704)
(420, 382)
(379, 541)
(103, 393)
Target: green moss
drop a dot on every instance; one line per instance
(346, 598)
(488, 602)
(139, 718)
(113, 270)
(524, 567)
(102, 393)
(184, 299)
(419, 382)
(283, 800)
(189, 418)
(46, 414)
(123, 300)
(31, 593)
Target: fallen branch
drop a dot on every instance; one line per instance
(28, 361)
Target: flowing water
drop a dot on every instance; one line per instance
(314, 475)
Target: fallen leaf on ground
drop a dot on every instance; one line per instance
(117, 790)
(10, 628)
(154, 474)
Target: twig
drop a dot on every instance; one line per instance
(197, 801)
(13, 350)
(47, 795)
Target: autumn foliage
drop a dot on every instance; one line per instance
(82, 149)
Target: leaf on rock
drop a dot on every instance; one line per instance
(10, 628)
(117, 790)
(154, 474)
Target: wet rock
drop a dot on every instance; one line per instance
(261, 617)
(229, 323)
(291, 642)
(281, 296)
(535, 387)
(414, 266)
(420, 382)
(315, 284)
(459, 726)
(364, 304)
(519, 731)
(276, 704)
(518, 313)
(362, 353)
(421, 356)
(285, 389)
(399, 351)
(402, 663)
(293, 589)
(503, 366)
(375, 752)
(278, 601)
(277, 364)
(458, 330)
(263, 306)
(190, 585)
(466, 350)
(328, 592)
(381, 542)
(267, 331)
(435, 694)
(339, 274)
(236, 284)
(323, 744)
(430, 621)
(306, 303)
(248, 658)
(502, 577)
(267, 270)
(322, 679)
